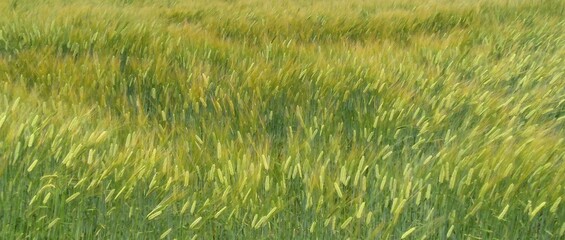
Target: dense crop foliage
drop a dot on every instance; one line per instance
(282, 119)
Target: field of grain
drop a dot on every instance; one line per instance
(292, 119)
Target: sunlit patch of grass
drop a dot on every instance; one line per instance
(292, 119)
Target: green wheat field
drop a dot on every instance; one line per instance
(288, 119)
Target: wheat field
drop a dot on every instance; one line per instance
(292, 119)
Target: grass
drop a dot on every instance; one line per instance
(277, 120)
